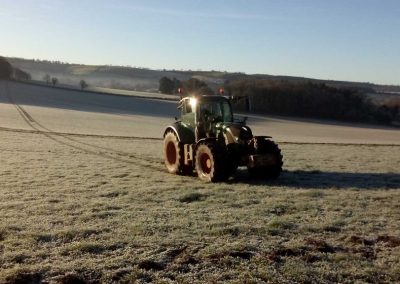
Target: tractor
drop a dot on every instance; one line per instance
(207, 139)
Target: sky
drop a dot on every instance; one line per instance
(350, 40)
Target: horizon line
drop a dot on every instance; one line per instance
(200, 70)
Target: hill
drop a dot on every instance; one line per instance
(144, 79)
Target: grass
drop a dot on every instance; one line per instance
(74, 216)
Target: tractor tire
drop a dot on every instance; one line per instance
(210, 162)
(173, 155)
(265, 146)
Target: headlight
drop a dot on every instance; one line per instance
(193, 103)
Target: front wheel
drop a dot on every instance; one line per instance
(173, 155)
(210, 162)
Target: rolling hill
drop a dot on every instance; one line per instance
(143, 79)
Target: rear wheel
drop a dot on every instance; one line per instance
(210, 162)
(272, 171)
(173, 155)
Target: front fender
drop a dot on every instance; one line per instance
(183, 132)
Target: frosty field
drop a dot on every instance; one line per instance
(85, 197)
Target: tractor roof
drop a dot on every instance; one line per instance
(208, 98)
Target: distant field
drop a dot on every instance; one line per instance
(98, 208)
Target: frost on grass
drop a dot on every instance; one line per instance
(84, 216)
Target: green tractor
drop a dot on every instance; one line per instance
(208, 140)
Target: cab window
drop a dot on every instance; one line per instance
(188, 113)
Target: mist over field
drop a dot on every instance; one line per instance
(117, 77)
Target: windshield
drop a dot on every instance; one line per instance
(227, 112)
(220, 111)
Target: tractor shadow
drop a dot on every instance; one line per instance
(324, 180)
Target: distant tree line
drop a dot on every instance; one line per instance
(308, 99)
(7, 71)
(21, 75)
(169, 86)
(193, 85)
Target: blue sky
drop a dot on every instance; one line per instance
(353, 40)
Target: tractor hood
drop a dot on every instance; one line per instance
(235, 132)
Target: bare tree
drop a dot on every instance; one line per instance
(83, 84)
(47, 78)
(166, 85)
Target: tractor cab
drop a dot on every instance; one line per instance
(203, 113)
(215, 108)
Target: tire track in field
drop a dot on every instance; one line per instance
(118, 152)
(56, 137)
(65, 134)
(83, 135)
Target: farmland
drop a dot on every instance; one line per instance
(85, 197)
